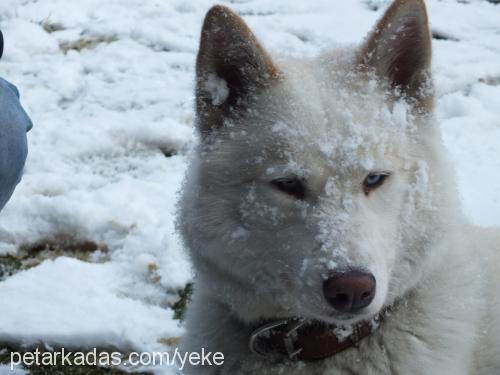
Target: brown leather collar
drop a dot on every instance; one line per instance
(301, 340)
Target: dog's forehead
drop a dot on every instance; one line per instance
(332, 117)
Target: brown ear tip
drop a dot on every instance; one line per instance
(220, 18)
(420, 2)
(219, 11)
(412, 4)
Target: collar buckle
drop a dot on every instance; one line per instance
(287, 328)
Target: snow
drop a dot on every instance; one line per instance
(5, 369)
(100, 307)
(217, 89)
(113, 132)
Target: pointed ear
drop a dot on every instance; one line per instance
(231, 65)
(399, 49)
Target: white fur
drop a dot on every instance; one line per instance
(259, 253)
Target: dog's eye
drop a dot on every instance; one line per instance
(293, 186)
(374, 180)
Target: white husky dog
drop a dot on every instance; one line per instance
(322, 218)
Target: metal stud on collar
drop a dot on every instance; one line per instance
(290, 337)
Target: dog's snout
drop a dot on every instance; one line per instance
(349, 292)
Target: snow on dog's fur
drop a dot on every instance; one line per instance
(311, 167)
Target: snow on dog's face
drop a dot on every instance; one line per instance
(312, 171)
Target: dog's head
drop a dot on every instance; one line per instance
(311, 193)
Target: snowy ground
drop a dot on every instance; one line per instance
(109, 87)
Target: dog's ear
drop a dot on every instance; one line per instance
(399, 49)
(231, 65)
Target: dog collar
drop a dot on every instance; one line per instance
(302, 340)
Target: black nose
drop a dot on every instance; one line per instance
(349, 291)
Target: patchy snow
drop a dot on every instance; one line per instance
(100, 306)
(217, 89)
(5, 369)
(109, 86)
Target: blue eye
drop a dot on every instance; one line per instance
(374, 180)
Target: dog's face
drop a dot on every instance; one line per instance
(311, 177)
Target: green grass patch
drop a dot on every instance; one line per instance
(59, 369)
(78, 370)
(9, 265)
(179, 306)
